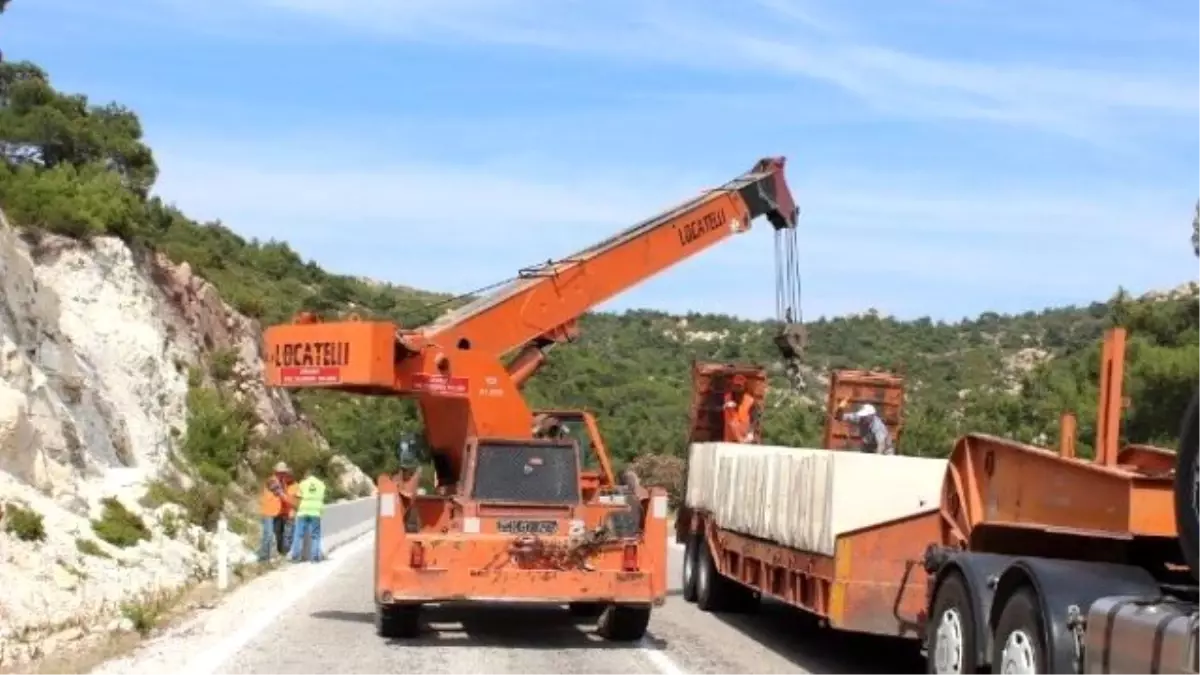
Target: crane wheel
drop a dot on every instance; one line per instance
(623, 623)
(398, 621)
(1187, 500)
(586, 610)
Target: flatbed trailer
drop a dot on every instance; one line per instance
(1029, 560)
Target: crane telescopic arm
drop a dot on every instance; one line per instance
(454, 366)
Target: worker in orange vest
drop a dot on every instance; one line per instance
(741, 409)
(277, 507)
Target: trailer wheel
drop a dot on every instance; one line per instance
(398, 621)
(623, 623)
(715, 592)
(1187, 485)
(950, 631)
(1017, 644)
(710, 586)
(690, 554)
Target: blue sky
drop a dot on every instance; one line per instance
(950, 156)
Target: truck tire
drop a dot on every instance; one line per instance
(710, 586)
(623, 623)
(1018, 645)
(690, 558)
(1186, 497)
(398, 621)
(717, 593)
(950, 631)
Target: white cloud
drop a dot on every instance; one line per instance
(949, 242)
(1096, 90)
(792, 39)
(866, 240)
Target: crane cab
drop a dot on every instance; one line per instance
(595, 467)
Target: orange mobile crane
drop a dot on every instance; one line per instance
(518, 515)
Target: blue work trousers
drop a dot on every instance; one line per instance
(307, 527)
(276, 534)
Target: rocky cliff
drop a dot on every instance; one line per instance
(96, 347)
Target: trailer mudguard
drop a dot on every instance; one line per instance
(1061, 585)
(980, 572)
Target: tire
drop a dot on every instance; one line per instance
(1018, 638)
(690, 558)
(1186, 488)
(586, 610)
(950, 631)
(623, 623)
(710, 586)
(398, 621)
(717, 593)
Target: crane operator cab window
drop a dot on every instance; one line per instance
(543, 471)
(575, 429)
(413, 455)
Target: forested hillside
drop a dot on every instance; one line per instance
(80, 169)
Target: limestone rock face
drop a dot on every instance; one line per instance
(95, 347)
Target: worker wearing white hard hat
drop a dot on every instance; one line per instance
(871, 429)
(277, 504)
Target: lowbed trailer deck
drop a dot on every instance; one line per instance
(1025, 560)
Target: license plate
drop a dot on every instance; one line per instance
(527, 526)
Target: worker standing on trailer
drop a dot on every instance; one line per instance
(741, 409)
(308, 517)
(871, 429)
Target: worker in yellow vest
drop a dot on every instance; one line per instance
(308, 517)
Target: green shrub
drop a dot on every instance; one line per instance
(24, 524)
(222, 363)
(294, 447)
(203, 502)
(118, 526)
(159, 493)
(90, 547)
(218, 434)
(150, 610)
(170, 524)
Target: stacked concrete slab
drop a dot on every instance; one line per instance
(804, 497)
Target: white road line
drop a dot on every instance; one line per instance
(659, 658)
(212, 659)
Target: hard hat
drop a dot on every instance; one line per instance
(866, 410)
(281, 467)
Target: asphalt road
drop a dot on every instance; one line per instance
(347, 519)
(331, 630)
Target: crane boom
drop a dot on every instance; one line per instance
(544, 298)
(453, 365)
